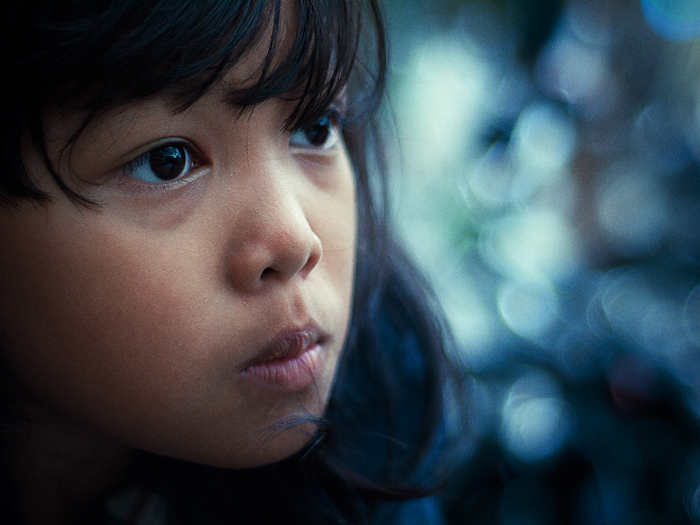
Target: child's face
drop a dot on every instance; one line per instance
(145, 320)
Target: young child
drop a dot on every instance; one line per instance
(203, 315)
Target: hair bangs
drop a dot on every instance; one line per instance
(312, 56)
(94, 56)
(185, 49)
(317, 61)
(146, 48)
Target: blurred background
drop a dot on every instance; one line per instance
(549, 186)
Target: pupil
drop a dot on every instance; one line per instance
(168, 163)
(318, 133)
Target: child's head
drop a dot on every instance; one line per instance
(179, 230)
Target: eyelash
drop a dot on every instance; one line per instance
(333, 120)
(174, 155)
(184, 159)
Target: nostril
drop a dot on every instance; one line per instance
(266, 273)
(311, 261)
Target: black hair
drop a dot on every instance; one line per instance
(383, 423)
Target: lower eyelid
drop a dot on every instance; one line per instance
(137, 187)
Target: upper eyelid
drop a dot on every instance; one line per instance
(336, 111)
(337, 115)
(142, 151)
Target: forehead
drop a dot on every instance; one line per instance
(269, 53)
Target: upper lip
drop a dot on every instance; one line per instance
(290, 342)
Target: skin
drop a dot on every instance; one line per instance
(128, 326)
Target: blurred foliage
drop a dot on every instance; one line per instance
(534, 20)
(550, 186)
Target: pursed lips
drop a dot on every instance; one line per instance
(289, 343)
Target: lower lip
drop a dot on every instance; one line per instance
(290, 373)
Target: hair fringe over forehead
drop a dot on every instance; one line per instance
(94, 55)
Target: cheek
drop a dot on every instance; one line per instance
(88, 311)
(333, 217)
(136, 333)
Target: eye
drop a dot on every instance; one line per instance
(321, 135)
(162, 164)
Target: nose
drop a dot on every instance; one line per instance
(273, 241)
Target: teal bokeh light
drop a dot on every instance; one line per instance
(677, 20)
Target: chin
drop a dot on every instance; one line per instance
(269, 446)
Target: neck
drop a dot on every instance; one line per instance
(61, 473)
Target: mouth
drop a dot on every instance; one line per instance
(292, 360)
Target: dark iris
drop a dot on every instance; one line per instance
(168, 163)
(318, 133)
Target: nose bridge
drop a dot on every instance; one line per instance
(273, 240)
